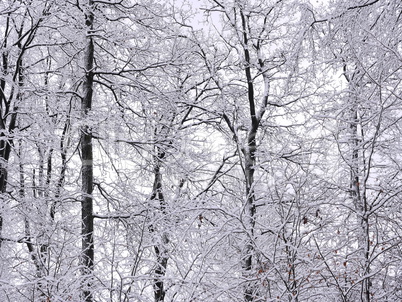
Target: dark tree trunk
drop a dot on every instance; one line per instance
(249, 164)
(87, 160)
(160, 249)
(8, 106)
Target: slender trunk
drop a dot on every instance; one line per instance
(36, 255)
(63, 169)
(64, 144)
(360, 204)
(87, 161)
(366, 250)
(5, 145)
(41, 194)
(250, 209)
(249, 167)
(160, 249)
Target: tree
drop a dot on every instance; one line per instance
(262, 85)
(87, 153)
(364, 114)
(17, 39)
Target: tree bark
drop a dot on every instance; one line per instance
(357, 194)
(160, 249)
(87, 160)
(5, 106)
(249, 164)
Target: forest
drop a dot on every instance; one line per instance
(200, 150)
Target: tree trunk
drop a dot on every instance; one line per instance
(87, 160)
(160, 249)
(249, 159)
(358, 197)
(249, 165)
(5, 114)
